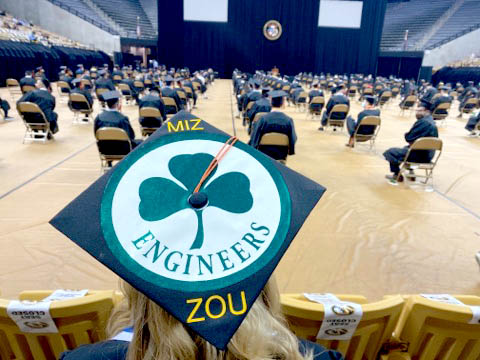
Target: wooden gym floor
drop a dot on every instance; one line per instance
(364, 237)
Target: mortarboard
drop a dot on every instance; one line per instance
(63, 67)
(111, 95)
(370, 99)
(39, 68)
(76, 81)
(169, 78)
(101, 72)
(203, 251)
(277, 93)
(79, 65)
(427, 104)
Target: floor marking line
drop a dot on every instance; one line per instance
(45, 171)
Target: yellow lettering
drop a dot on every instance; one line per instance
(178, 128)
(191, 318)
(244, 304)
(207, 307)
(196, 121)
(187, 125)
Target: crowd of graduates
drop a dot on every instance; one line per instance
(265, 94)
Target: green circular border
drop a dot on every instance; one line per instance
(194, 286)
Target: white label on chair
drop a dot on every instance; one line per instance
(59, 295)
(32, 317)
(449, 299)
(341, 317)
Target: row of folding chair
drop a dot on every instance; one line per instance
(397, 327)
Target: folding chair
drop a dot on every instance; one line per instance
(126, 92)
(395, 91)
(317, 110)
(28, 88)
(80, 105)
(422, 144)
(441, 111)
(352, 91)
(113, 145)
(189, 93)
(246, 120)
(386, 96)
(63, 90)
(139, 85)
(408, 104)
(301, 103)
(183, 98)
(79, 321)
(368, 121)
(378, 321)
(170, 104)
(87, 84)
(276, 145)
(13, 87)
(99, 92)
(36, 123)
(469, 105)
(117, 78)
(437, 331)
(149, 112)
(342, 111)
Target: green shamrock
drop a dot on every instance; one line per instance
(161, 197)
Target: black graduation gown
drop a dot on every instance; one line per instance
(425, 127)
(118, 120)
(169, 92)
(440, 100)
(68, 80)
(278, 122)
(334, 100)
(261, 105)
(154, 102)
(253, 95)
(117, 350)
(365, 129)
(46, 102)
(85, 93)
(472, 122)
(27, 81)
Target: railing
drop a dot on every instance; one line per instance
(453, 37)
(86, 18)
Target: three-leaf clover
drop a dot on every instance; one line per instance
(161, 197)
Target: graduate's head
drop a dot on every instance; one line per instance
(112, 98)
(277, 97)
(369, 102)
(78, 83)
(28, 73)
(40, 85)
(315, 85)
(423, 109)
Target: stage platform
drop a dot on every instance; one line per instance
(364, 237)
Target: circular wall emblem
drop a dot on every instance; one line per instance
(272, 30)
(155, 224)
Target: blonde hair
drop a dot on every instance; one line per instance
(263, 335)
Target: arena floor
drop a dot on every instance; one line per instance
(364, 237)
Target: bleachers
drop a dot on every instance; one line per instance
(465, 19)
(125, 13)
(82, 10)
(416, 16)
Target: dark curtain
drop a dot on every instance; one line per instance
(17, 57)
(240, 43)
(402, 67)
(454, 75)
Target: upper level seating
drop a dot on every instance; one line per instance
(125, 13)
(82, 10)
(416, 16)
(465, 19)
(151, 9)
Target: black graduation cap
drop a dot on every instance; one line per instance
(200, 244)
(111, 95)
(370, 99)
(277, 93)
(63, 67)
(76, 81)
(427, 104)
(169, 78)
(79, 65)
(39, 68)
(178, 79)
(101, 72)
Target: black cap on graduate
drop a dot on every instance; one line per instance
(195, 220)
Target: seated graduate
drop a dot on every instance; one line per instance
(443, 98)
(423, 127)
(112, 117)
(472, 123)
(80, 70)
(275, 121)
(45, 101)
(168, 91)
(339, 97)
(104, 82)
(428, 93)
(469, 93)
(5, 106)
(261, 105)
(27, 79)
(369, 110)
(187, 82)
(152, 100)
(67, 76)
(178, 87)
(316, 91)
(133, 89)
(80, 89)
